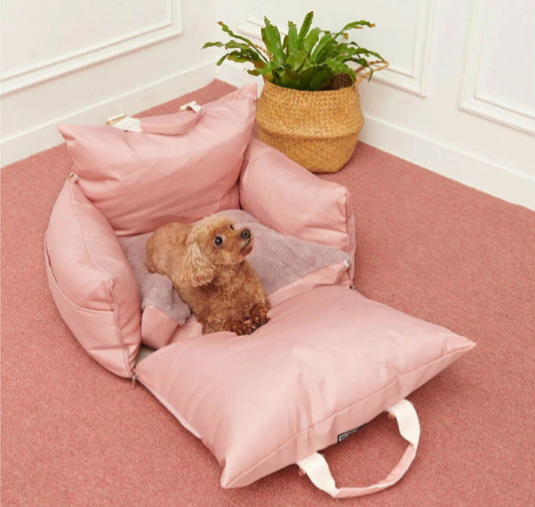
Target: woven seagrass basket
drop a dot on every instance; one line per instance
(319, 130)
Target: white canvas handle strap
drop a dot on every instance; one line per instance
(171, 125)
(318, 471)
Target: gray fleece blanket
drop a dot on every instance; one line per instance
(277, 259)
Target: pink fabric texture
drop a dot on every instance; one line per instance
(92, 282)
(140, 181)
(328, 361)
(286, 197)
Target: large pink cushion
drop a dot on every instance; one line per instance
(286, 197)
(140, 181)
(92, 283)
(328, 361)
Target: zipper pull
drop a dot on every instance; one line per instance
(134, 378)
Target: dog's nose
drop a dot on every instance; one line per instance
(246, 234)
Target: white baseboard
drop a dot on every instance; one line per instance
(44, 136)
(465, 168)
(495, 180)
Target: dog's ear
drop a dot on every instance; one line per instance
(196, 269)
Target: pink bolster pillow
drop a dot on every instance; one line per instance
(286, 197)
(91, 281)
(178, 167)
(328, 361)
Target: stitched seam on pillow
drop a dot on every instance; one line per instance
(108, 279)
(348, 216)
(297, 435)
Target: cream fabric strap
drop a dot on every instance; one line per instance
(318, 471)
(125, 122)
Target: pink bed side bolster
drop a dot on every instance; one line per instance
(286, 197)
(91, 281)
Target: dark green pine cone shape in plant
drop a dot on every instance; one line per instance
(305, 60)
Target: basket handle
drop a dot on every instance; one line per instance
(380, 65)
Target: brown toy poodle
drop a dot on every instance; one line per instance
(206, 263)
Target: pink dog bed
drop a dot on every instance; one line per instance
(328, 361)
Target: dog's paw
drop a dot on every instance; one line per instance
(249, 327)
(239, 327)
(259, 316)
(259, 320)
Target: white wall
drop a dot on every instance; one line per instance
(82, 61)
(459, 96)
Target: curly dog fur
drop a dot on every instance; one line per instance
(207, 264)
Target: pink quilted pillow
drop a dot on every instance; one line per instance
(328, 361)
(182, 166)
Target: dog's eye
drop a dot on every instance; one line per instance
(231, 227)
(218, 240)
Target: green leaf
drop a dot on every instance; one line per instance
(307, 64)
(322, 44)
(367, 52)
(238, 58)
(226, 29)
(321, 79)
(305, 77)
(268, 71)
(270, 67)
(272, 40)
(295, 59)
(241, 57)
(340, 68)
(222, 59)
(353, 25)
(245, 48)
(363, 51)
(289, 79)
(213, 44)
(361, 61)
(292, 37)
(326, 52)
(357, 24)
(311, 39)
(236, 45)
(305, 27)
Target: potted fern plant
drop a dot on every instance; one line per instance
(310, 106)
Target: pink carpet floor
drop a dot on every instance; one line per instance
(75, 435)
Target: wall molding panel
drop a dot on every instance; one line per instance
(414, 79)
(41, 72)
(474, 102)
